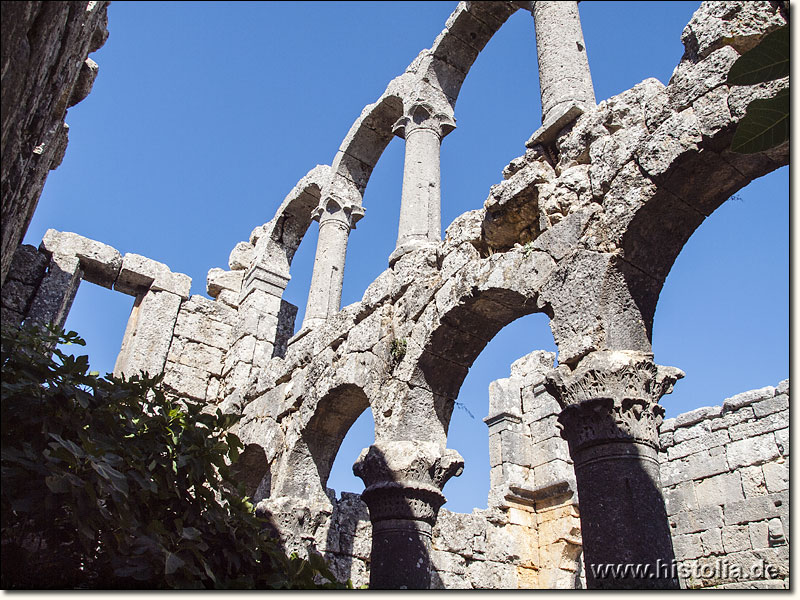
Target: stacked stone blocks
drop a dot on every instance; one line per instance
(725, 475)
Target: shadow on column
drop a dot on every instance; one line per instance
(610, 420)
(403, 492)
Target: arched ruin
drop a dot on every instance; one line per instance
(584, 227)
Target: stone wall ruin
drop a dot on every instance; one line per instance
(584, 227)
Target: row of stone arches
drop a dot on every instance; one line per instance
(599, 274)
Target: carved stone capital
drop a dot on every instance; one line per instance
(423, 115)
(344, 213)
(611, 395)
(404, 479)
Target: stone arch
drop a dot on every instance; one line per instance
(691, 191)
(436, 73)
(470, 309)
(363, 146)
(313, 444)
(278, 240)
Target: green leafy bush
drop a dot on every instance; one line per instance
(106, 483)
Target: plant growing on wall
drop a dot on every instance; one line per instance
(766, 123)
(107, 483)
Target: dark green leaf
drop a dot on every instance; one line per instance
(172, 563)
(765, 126)
(768, 61)
(117, 479)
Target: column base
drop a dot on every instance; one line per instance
(407, 247)
(549, 129)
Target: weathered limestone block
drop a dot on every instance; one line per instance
(674, 138)
(100, 263)
(219, 280)
(139, 273)
(57, 290)
(695, 521)
(691, 81)
(242, 256)
(739, 24)
(27, 270)
(194, 354)
(184, 380)
(512, 213)
(749, 510)
(148, 334)
(755, 450)
(776, 476)
(202, 320)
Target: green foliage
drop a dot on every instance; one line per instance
(528, 249)
(766, 122)
(108, 483)
(398, 349)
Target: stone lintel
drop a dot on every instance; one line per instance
(530, 496)
(140, 274)
(100, 262)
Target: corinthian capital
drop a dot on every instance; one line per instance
(611, 395)
(332, 208)
(423, 115)
(404, 479)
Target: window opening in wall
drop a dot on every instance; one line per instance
(723, 314)
(302, 266)
(498, 109)
(468, 433)
(361, 435)
(373, 240)
(99, 316)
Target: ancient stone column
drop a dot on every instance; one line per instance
(336, 219)
(404, 481)
(564, 77)
(423, 128)
(610, 419)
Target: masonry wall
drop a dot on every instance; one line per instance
(725, 475)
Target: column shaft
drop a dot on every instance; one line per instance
(403, 482)
(423, 128)
(623, 518)
(325, 294)
(610, 419)
(420, 209)
(564, 76)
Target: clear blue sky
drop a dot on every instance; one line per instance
(205, 115)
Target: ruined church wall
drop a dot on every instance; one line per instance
(724, 472)
(725, 476)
